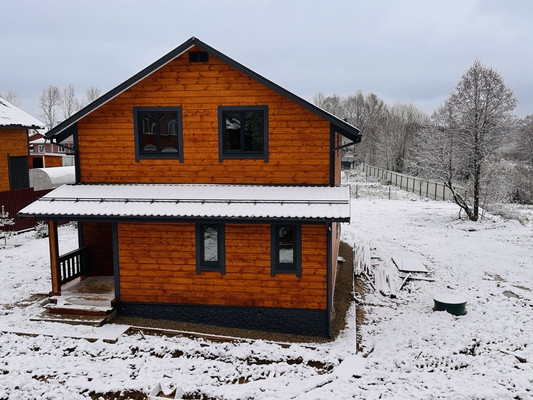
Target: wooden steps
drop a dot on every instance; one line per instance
(86, 302)
(79, 306)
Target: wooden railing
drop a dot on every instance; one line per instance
(72, 264)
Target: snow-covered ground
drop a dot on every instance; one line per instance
(408, 351)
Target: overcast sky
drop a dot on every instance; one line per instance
(410, 51)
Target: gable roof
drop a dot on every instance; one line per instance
(62, 131)
(14, 117)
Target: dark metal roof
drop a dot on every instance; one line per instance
(62, 131)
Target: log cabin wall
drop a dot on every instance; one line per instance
(13, 142)
(158, 264)
(298, 140)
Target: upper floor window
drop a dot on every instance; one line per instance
(286, 249)
(210, 252)
(243, 132)
(158, 132)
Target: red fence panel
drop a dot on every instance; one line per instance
(14, 201)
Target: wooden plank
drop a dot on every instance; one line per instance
(408, 264)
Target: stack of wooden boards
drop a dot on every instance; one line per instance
(382, 278)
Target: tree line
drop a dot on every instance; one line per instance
(472, 143)
(55, 104)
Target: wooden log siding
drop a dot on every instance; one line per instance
(298, 140)
(15, 143)
(158, 264)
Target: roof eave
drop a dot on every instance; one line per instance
(160, 219)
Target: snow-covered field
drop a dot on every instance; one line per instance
(408, 351)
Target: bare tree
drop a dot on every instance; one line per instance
(12, 97)
(403, 126)
(525, 140)
(70, 103)
(333, 104)
(318, 99)
(90, 95)
(519, 177)
(467, 130)
(369, 113)
(50, 102)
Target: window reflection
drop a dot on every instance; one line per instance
(210, 243)
(286, 244)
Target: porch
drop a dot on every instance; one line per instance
(77, 297)
(86, 301)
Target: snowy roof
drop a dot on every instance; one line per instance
(192, 201)
(14, 117)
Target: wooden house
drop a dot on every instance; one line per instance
(14, 127)
(219, 203)
(45, 154)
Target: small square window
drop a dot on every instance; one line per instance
(198, 56)
(158, 132)
(210, 252)
(286, 249)
(243, 132)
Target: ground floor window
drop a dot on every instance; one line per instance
(286, 249)
(210, 254)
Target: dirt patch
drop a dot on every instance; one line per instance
(341, 304)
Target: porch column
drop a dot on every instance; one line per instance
(54, 258)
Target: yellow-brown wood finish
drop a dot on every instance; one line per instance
(53, 244)
(46, 160)
(13, 142)
(158, 264)
(298, 140)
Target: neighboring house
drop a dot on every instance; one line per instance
(209, 193)
(14, 127)
(44, 154)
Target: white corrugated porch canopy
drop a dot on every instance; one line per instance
(193, 201)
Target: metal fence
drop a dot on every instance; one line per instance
(431, 190)
(14, 201)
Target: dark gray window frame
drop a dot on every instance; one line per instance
(139, 154)
(201, 263)
(241, 154)
(278, 267)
